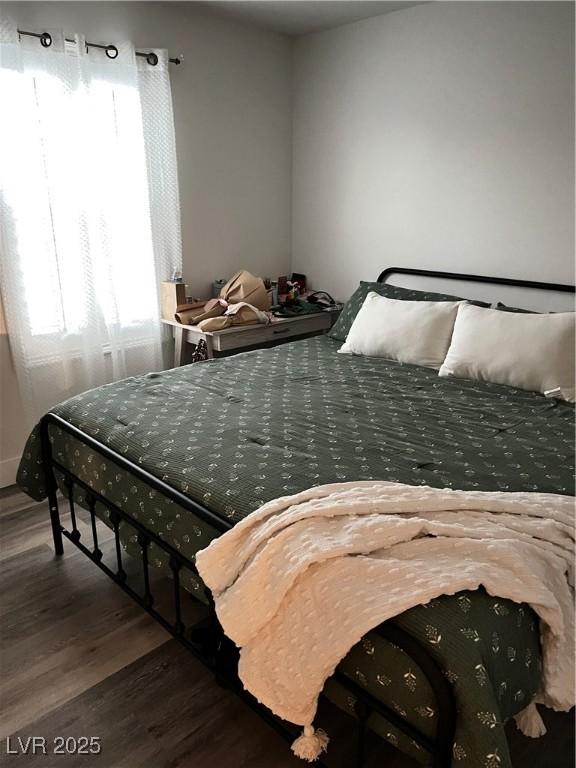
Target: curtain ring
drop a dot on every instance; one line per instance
(111, 51)
(45, 39)
(152, 59)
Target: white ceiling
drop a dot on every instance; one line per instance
(300, 17)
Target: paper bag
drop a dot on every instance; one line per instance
(246, 287)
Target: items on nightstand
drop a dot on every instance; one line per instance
(274, 292)
(188, 313)
(172, 296)
(174, 304)
(308, 304)
(298, 277)
(204, 311)
(242, 300)
(293, 292)
(321, 298)
(240, 313)
(302, 306)
(248, 288)
(290, 289)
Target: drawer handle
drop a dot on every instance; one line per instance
(280, 330)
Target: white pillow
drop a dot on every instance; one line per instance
(528, 351)
(409, 331)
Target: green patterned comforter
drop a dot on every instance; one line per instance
(236, 432)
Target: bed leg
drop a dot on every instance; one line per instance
(51, 488)
(56, 527)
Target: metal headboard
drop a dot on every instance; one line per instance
(561, 287)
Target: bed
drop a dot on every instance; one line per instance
(170, 460)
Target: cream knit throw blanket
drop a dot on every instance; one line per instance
(299, 581)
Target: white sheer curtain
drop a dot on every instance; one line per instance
(89, 213)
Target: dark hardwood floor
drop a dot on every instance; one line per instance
(78, 658)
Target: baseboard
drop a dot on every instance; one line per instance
(8, 469)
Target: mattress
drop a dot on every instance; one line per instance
(236, 432)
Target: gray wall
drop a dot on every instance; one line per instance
(232, 107)
(440, 136)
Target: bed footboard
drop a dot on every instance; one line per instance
(205, 638)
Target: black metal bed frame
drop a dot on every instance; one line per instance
(206, 639)
(558, 287)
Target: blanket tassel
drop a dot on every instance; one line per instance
(529, 722)
(310, 745)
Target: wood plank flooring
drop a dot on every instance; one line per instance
(79, 658)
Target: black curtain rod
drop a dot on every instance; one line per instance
(110, 50)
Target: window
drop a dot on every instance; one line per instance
(74, 179)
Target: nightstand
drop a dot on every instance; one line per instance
(240, 338)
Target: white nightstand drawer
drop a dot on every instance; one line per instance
(247, 336)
